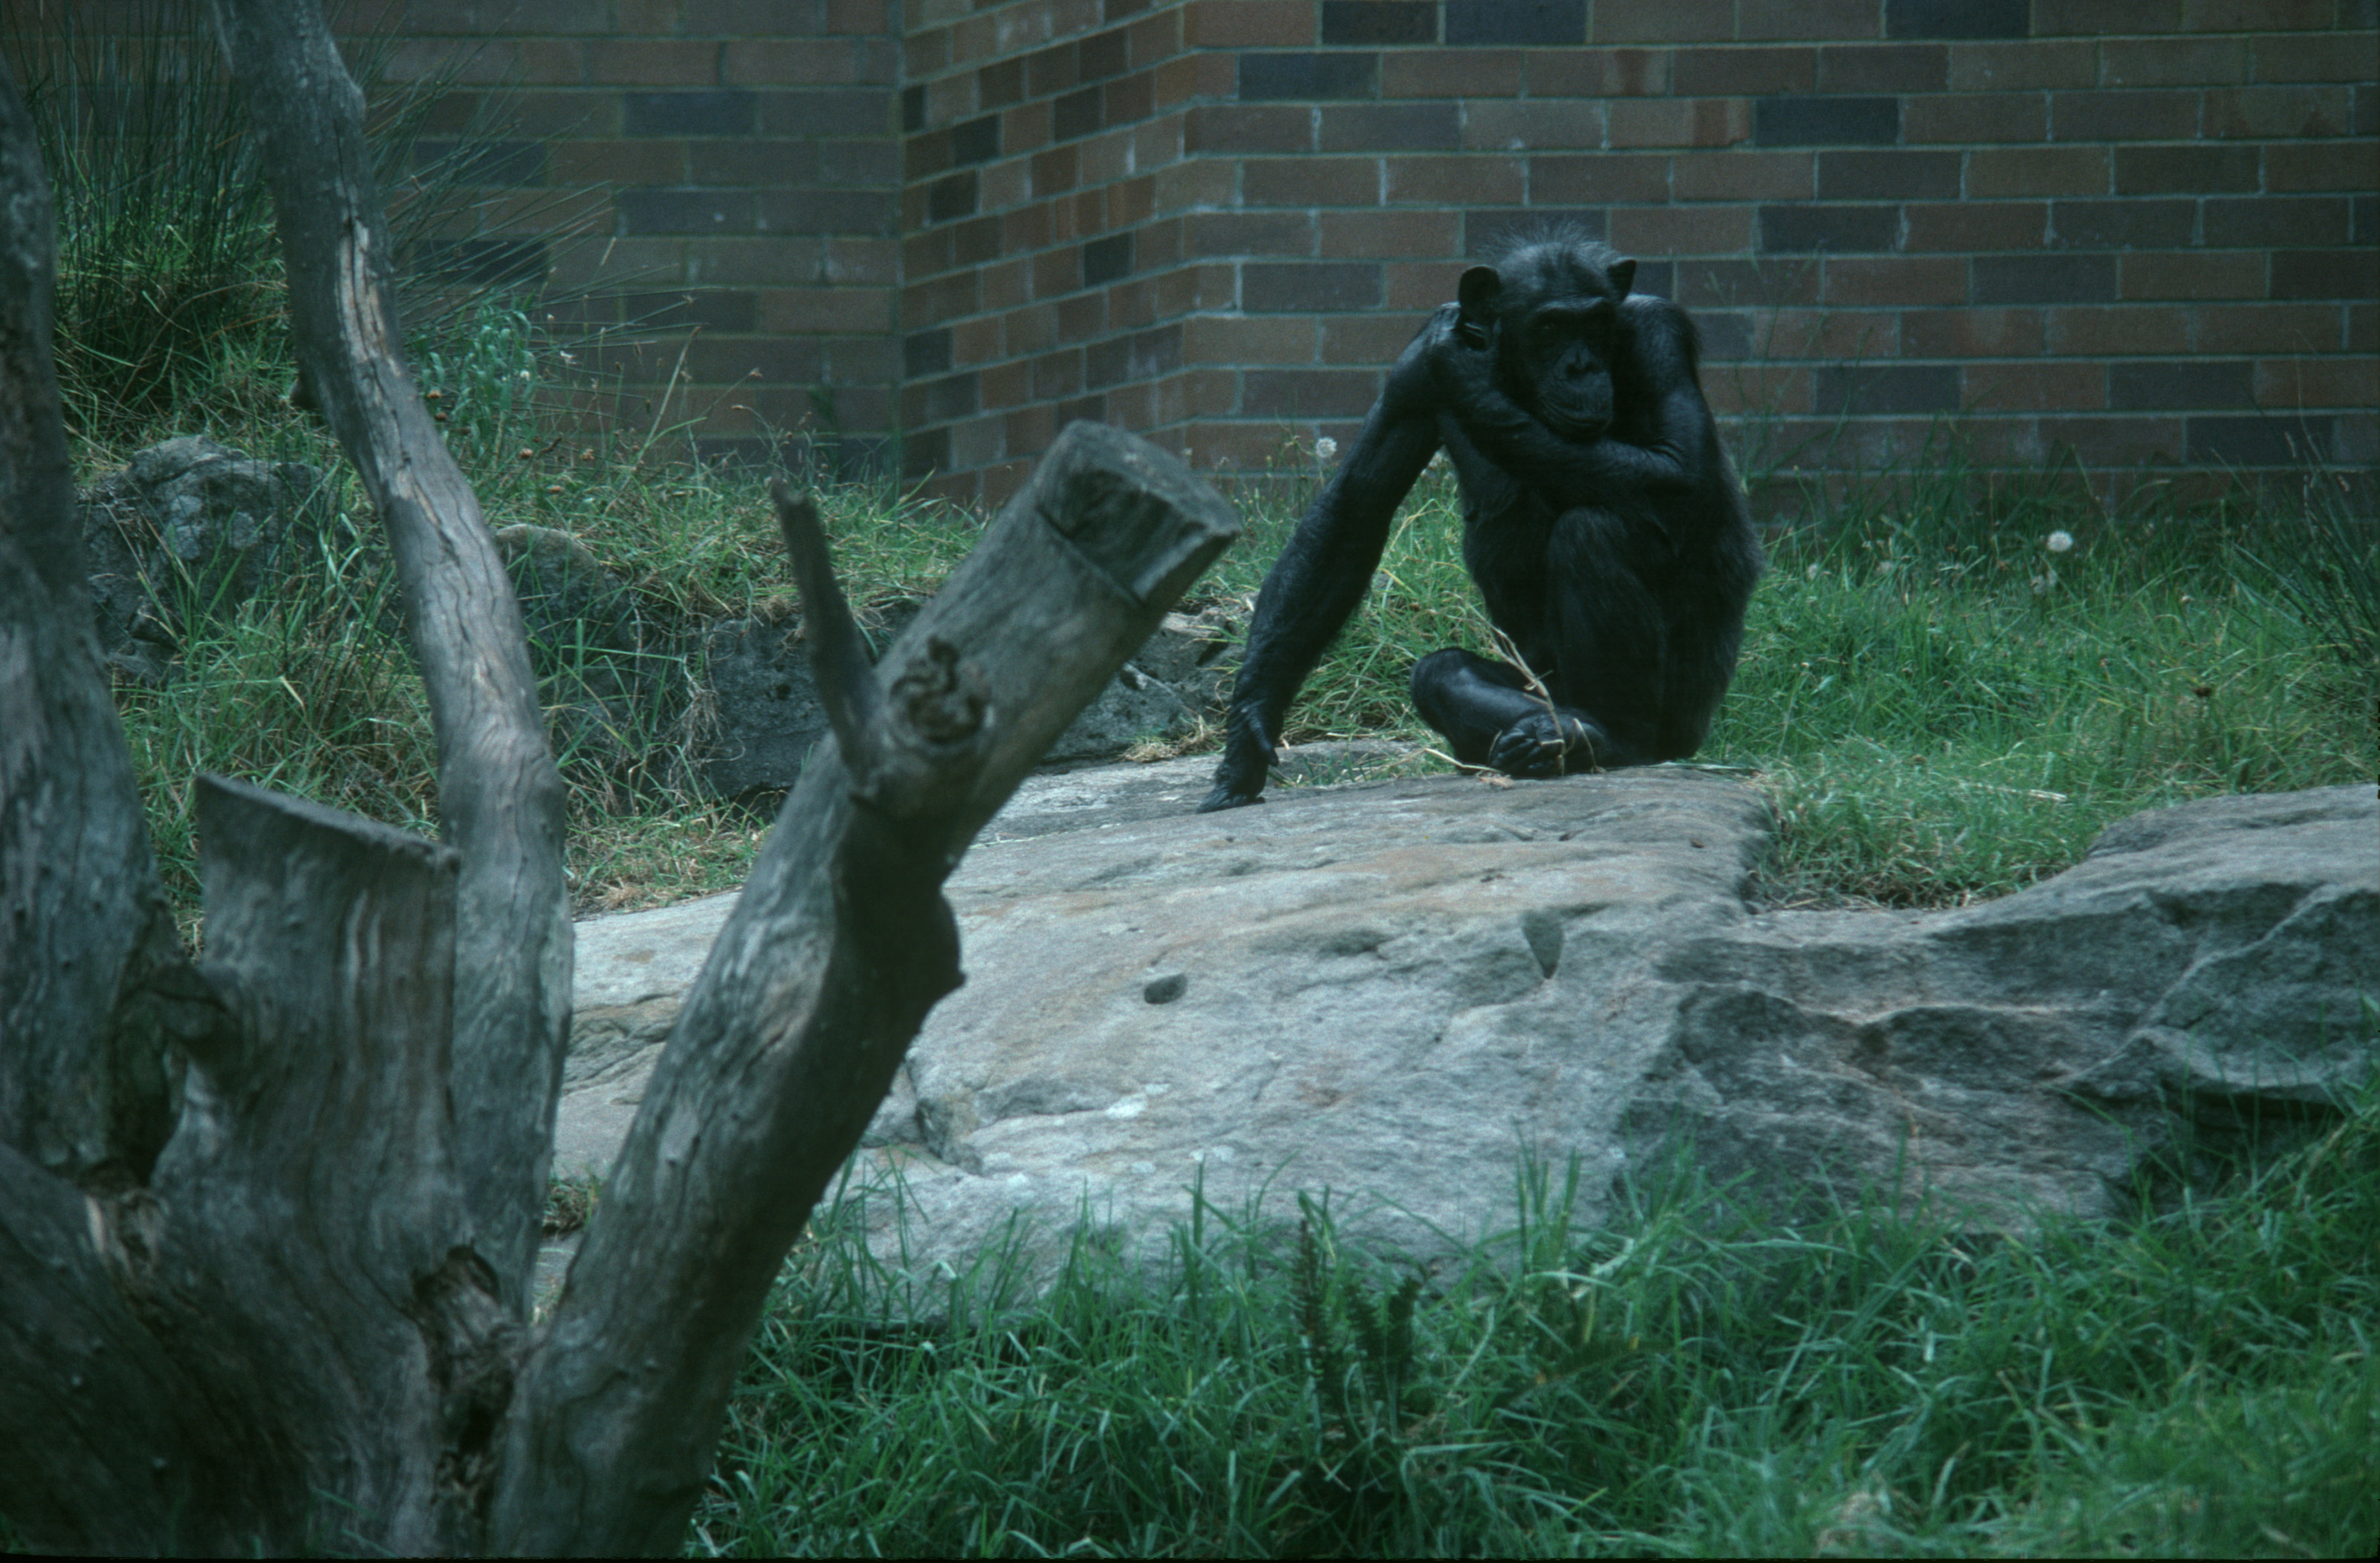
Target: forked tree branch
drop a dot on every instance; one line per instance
(840, 945)
(499, 799)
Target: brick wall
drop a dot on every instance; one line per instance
(739, 162)
(2140, 231)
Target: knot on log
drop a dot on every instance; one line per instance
(942, 695)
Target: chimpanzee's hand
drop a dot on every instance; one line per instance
(1461, 355)
(1247, 755)
(1546, 743)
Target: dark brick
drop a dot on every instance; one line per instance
(1657, 278)
(976, 140)
(2301, 222)
(1488, 230)
(2181, 385)
(1271, 77)
(1955, 18)
(687, 114)
(838, 212)
(1307, 392)
(1128, 101)
(733, 160)
(1106, 260)
(1143, 355)
(1515, 21)
(2200, 169)
(1048, 71)
(664, 210)
(999, 85)
(1725, 337)
(715, 309)
(1092, 408)
(2325, 274)
(484, 162)
(850, 111)
(1236, 128)
(947, 200)
(1888, 176)
(924, 452)
(2245, 442)
(2365, 226)
(1377, 127)
(1076, 114)
(1103, 54)
(1270, 287)
(1806, 122)
(2122, 224)
(1379, 21)
(2043, 279)
(482, 261)
(1801, 227)
(954, 396)
(1867, 390)
(975, 242)
(926, 352)
(913, 109)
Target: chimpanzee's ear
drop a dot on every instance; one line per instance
(1476, 292)
(1622, 275)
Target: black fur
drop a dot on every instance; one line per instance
(1601, 521)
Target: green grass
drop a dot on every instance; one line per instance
(2201, 1382)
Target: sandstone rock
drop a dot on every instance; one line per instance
(1392, 990)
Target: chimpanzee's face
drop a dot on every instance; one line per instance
(1555, 309)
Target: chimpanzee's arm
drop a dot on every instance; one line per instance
(1661, 447)
(1324, 571)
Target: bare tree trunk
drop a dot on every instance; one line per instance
(499, 799)
(287, 1316)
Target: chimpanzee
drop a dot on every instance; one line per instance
(1606, 531)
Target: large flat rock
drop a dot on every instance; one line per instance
(1392, 990)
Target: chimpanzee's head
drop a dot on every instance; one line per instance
(1550, 307)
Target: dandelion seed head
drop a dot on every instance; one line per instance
(2058, 542)
(1324, 449)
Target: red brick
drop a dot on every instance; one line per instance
(1765, 283)
(1680, 122)
(856, 16)
(1750, 72)
(788, 62)
(2104, 18)
(2318, 382)
(1412, 289)
(2038, 386)
(2277, 111)
(1450, 73)
(1827, 333)
(2352, 166)
(2316, 58)
(639, 161)
(1990, 66)
(1310, 181)
(2237, 273)
(1896, 279)
(2128, 329)
(1250, 24)
(1365, 339)
(1028, 330)
(1156, 38)
(1659, 22)
(1809, 18)
(927, 53)
(2146, 115)
(1975, 118)
(1884, 67)
(2267, 328)
(1976, 224)
(1775, 389)
(1462, 181)
(1584, 73)
(1386, 235)
(1745, 175)
(2173, 62)
(1533, 124)
(1681, 230)
(1274, 339)
(1995, 171)
(1971, 333)
(1593, 180)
